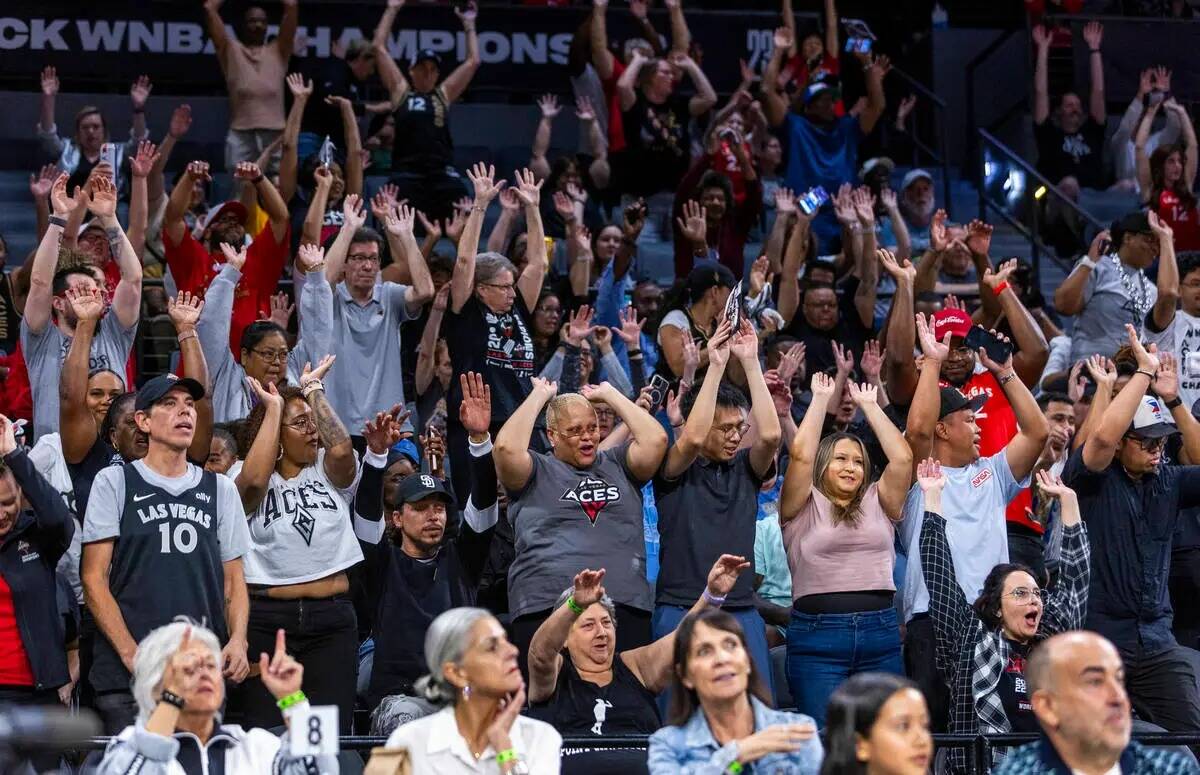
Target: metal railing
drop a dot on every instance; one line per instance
(940, 155)
(1013, 189)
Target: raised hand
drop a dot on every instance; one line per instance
(674, 407)
(1041, 36)
(298, 86)
(281, 674)
(454, 227)
(467, 14)
(323, 179)
(931, 347)
(694, 223)
(139, 92)
(310, 258)
(894, 267)
(549, 106)
(87, 304)
(718, 345)
(781, 393)
(1052, 484)
(181, 121)
(744, 346)
(433, 229)
(481, 176)
(691, 353)
(843, 206)
(353, 214)
(992, 366)
(310, 375)
(724, 574)
(979, 237)
(1093, 34)
(1103, 371)
(1166, 379)
(60, 202)
(635, 219)
(843, 358)
(994, 279)
(863, 395)
(235, 257)
(104, 197)
(180, 674)
(529, 188)
(791, 364)
(584, 110)
(49, 81)
(42, 183)
(384, 200)
(785, 201)
(1161, 229)
(400, 221)
(382, 431)
(864, 206)
(475, 412)
(1076, 384)
(562, 205)
(544, 388)
(938, 240)
(597, 394)
(783, 38)
(905, 108)
(247, 170)
(588, 588)
(822, 385)
(184, 310)
(281, 310)
(579, 326)
(872, 360)
(268, 394)
(509, 201)
(630, 329)
(930, 476)
(441, 299)
(143, 162)
(1147, 358)
(887, 198)
(341, 103)
(759, 275)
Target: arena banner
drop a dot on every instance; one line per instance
(522, 48)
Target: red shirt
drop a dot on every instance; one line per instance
(997, 426)
(828, 70)
(15, 669)
(616, 128)
(1183, 220)
(725, 161)
(193, 268)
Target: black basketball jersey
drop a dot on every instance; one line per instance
(422, 132)
(166, 563)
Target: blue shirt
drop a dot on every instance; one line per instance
(1130, 524)
(822, 157)
(610, 300)
(692, 749)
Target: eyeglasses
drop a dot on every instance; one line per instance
(511, 287)
(1022, 594)
(1149, 445)
(575, 433)
(732, 430)
(272, 356)
(362, 258)
(304, 424)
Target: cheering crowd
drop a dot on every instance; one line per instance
(481, 479)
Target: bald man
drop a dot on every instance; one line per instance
(1077, 685)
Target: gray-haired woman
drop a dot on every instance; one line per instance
(179, 691)
(489, 324)
(473, 672)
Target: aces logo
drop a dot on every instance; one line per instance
(592, 495)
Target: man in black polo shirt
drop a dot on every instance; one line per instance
(707, 491)
(162, 538)
(1131, 501)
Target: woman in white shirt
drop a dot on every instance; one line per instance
(297, 481)
(473, 671)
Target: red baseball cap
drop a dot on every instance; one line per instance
(951, 321)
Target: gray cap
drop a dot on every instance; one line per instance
(913, 176)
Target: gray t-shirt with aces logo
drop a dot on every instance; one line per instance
(566, 519)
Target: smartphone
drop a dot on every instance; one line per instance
(858, 45)
(733, 308)
(997, 349)
(1157, 97)
(108, 155)
(658, 392)
(325, 155)
(813, 199)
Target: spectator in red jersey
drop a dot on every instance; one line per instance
(1167, 176)
(194, 263)
(816, 58)
(709, 222)
(608, 67)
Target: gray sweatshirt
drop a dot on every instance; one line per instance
(231, 396)
(244, 752)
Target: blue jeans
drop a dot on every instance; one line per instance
(825, 649)
(667, 617)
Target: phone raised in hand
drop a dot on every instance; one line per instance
(997, 349)
(812, 200)
(658, 392)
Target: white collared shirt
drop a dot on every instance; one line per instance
(435, 745)
(1116, 770)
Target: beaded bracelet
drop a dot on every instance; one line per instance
(506, 756)
(575, 607)
(295, 698)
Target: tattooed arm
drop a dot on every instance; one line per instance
(341, 464)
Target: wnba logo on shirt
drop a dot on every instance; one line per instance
(592, 495)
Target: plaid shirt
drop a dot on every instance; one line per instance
(1041, 758)
(977, 653)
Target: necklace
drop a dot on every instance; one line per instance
(1140, 296)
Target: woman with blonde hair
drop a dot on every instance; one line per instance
(839, 533)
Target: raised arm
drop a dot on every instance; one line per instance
(901, 338)
(457, 82)
(353, 217)
(602, 58)
(289, 159)
(268, 197)
(600, 171)
(866, 263)
(1167, 282)
(1032, 350)
(254, 479)
(400, 227)
(832, 47)
(184, 311)
(876, 103)
(45, 258)
(1041, 78)
(1026, 447)
(529, 284)
(744, 347)
(926, 400)
(705, 97)
(1093, 34)
(1141, 158)
(897, 476)
(1189, 139)
(627, 83)
(76, 426)
(546, 647)
(949, 608)
(794, 256)
(645, 453)
(681, 36)
(340, 460)
(286, 39)
(688, 443)
(1101, 446)
(142, 166)
(798, 481)
(514, 465)
(548, 103)
(1104, 374)
(181, 196)
(354, 160)
(389, 73)
(216, 28)
(774, 100)
(127, 298)
(314, 217)
(462, 281)
(46, 125)
(427, 349)
(1166, 385)
(1068, 297)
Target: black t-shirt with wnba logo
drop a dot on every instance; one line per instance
(497, 345)
(1078, 154)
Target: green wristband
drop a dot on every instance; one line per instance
(735, 768)
(506, 756)
(575, 607)
(291, 700)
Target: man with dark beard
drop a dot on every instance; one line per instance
(193, 264)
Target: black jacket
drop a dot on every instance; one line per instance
(28, 556)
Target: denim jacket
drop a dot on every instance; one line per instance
(691, 748)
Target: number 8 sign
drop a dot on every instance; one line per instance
(314, 731)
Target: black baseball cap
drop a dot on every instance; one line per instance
(156, 390)
(427, 55)
(953, 400)
(418, 486)
(1136, 222)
